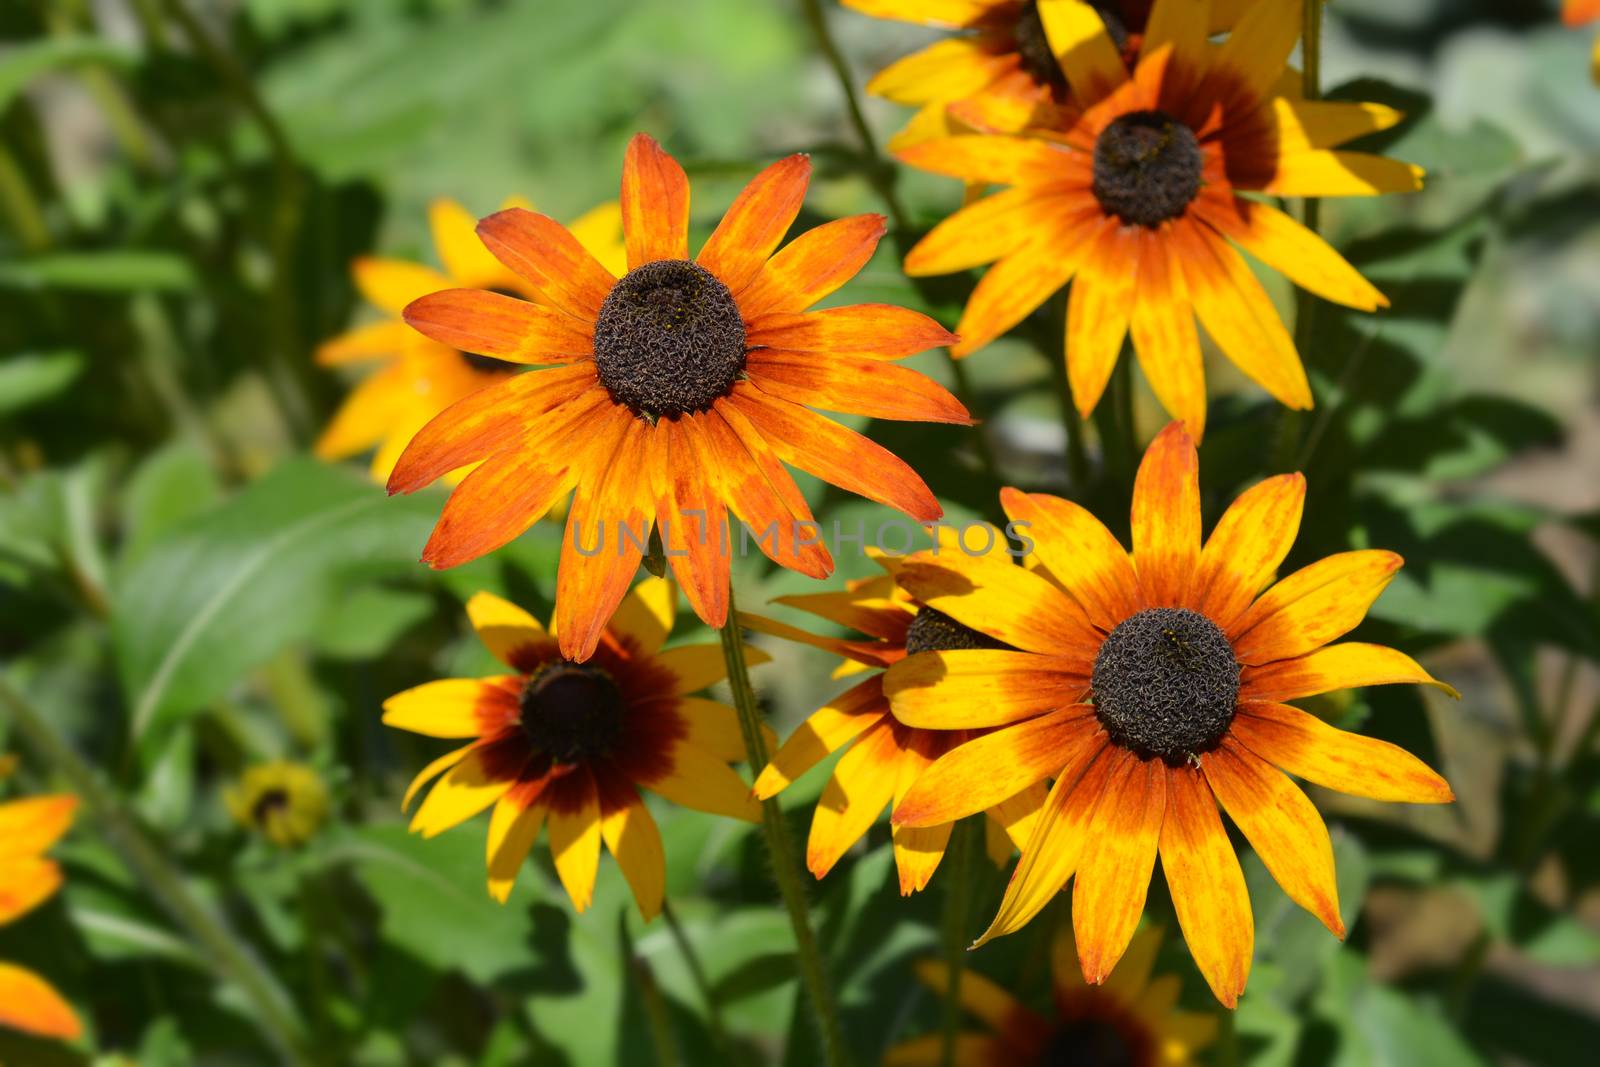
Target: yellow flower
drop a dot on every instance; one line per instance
(570, 743)
(284, 802)
(419, 377)
(1131, 1020)
(28, 828)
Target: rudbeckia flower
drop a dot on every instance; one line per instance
(28, 828)
(1135, 200)
(282, 801)
(885, 756)
(1003, 56)
(1131, 1021)
(1151, 686)
(1581, 12)
(685, 386)
(567, 744)
(420, 378)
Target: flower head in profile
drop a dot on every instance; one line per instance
(416, 378)
(1151, 685)
(28, 828)
(1132, 194)
(1579, 13)
(679, 391)
(567, 746)
(885, 756)
(1130, 1021)
(284, 802)
(1002, 61)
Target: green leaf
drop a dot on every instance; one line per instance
(222, 594)
(172, 485)
(32, 377)
(115, 271)
(20, 65)
(366, 621)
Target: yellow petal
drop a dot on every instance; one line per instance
(505, 629)
(29, 1003)
(451, 707)
(715, 728)
(513, 828)
(575, 840)
(633, 838)
(829, 728)
(697, 779)
(1306, 746)
(1088, 57)
(31, 825)
(646, 614)
(464, 792)
(699, 666)
(391, 284)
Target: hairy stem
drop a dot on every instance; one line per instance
(957, 907)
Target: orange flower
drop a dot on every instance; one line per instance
(27, 879)
(685, 391)
(885, 756)
(420, 378)
(1135, 201)
(1003, 58)
(1151, 686)
(1578, 13)
(1131, 1020)
(570, 744)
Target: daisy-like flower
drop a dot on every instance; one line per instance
(1151, 686)
(284, 802)
(1135, 200)
(420, 378)
(885, 756)
(567, 744)
(1130, 1021)
(1577, 13)
(28, 828)
(1002, 56)
(686, 386)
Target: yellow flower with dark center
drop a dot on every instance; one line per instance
(1578, 13)
(676, 393)
(885, 756)
(28, 828)
(1133, 196)
(420, 378)
(1151, 685)
(284, 802)
(1130, 1021)
(570, 744)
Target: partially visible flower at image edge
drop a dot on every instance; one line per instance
(1134, 200)
(884, 757)
(419, 378)
(28, 828)
(283, 801)
(1577, 13)
(1151, 686)
(566, 745)
(1130, 1021)
(677, 393)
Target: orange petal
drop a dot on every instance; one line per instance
(761, 214)
(856, 385)
(762, 493)
(1165, 339)
(1023, 280)
(1114, 874)
(1098, 310)
(575, 836)
(820, 446)
(1346, 666)
(972, 688)
(1313, 606)
(862, 786)
(882, 331)
(613, 514)
(869, 653)
(1207, 885)
(25, 883)
(1292, 250)
(812, 266)
(987, 770)
(500, 326)
(1013, 604)
(826, 730)
(1079, 552)
(29, 1003)
(989, 229)
(1281, 824)
(564, 273)
(878, 616)
(1245, 550)
(918, 850)
(1306, 746)
(1166, 518)
(691, 516)
(655, 203)
(33, 824)
(996, 159)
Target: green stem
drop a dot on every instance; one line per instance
(957, 907)
(21, 206)
(780, 847)
(231, 960)
(1113, 418)
(655, 1005)
(702, 984)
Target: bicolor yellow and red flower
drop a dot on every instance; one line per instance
(1151, 685)
(28, 829)
(678, 393)
(417, 377)
(1131, 1021)
(885, 756)
(567, 746)
(1133, 195)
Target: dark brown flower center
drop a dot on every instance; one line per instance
(1166, 684)
(572, 712)
(1033, 48)
(1147, 168)
(934, 631)
(1090, 1043)
(669, 339)
(270, 803)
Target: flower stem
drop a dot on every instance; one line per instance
(780, 847)
(697, 972)
(957, 905)
(232, 961)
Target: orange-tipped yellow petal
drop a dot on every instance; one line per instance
(1306, 746)
(1114, 874)
(575, 837)
(1166, 518)
(829, 728)
(861, 788)
(1314, 605)
(1207, 885)
(1344, 666)
(633, 838)
(30, 1004)
(1250, 542)
(969, 688)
